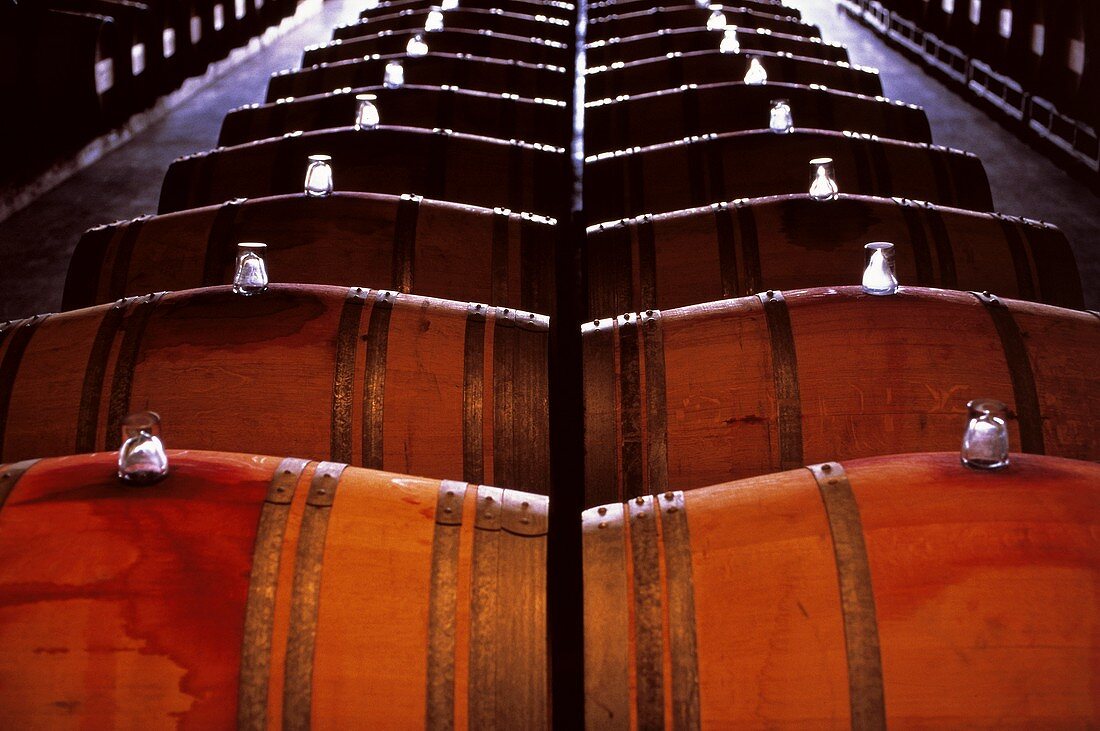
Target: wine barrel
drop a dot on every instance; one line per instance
(685, 40)
(373, 378)
(698, 395)
(698, 171)
(787, 242)
(436, 69)
(550, 8)
(648, 119)
(624, 25)
(905, 592)
(254, 592)
(138, 59)
(602, 9)
(504, 116)
(496, 20)
(437, 164)
(713, 66)
(448, 40)
(401, 243)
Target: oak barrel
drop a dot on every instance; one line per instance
(745, 246)
(684, 398)
(771, 7)
(501, 115)
(698, 171)
(478, 73)
(448, 40)
(713, 66)
(698, 109)
(623, 25)
(494, 19)
(551, 8)
(372, 378)
(260, 592)
(437, 164)
(683, 40)
(904, 592)
(401, 243)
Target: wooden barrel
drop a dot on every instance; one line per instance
(551, 8)
(791, 241)
(611, 7)
(904, 592)
(684, 40)
(401, 243)
(504, 116)
(372, 378)
(713, 66)
(496, 20)
(477, 73)
(259, 592)
(662, 116)
(699, 395)
(698, 171)
(448, 40)
(437, 164)
(624, 25)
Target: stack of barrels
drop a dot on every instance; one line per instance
(416, 183)
(1030, 62)
(76, 69)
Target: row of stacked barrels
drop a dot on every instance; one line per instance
(79, 68)
(1040, 44)
(412, 181)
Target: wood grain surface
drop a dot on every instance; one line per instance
(367, 377)
(787, 242)
(495, 114)
(262, 591)
(652, 19)
(669, 71)
(401, 243)
(757, 384)
(479, 73)
(732, 106)
(433, 163)
(712, 168)
(922, 594)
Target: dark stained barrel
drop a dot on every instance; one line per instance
(602, 8)
(246, 591)
(448, 40)
(551, 8)
(436, 164)
(494, 19)
(401, 243)
(683, 398)
(623, 25)
(436, 69)
(713, 66)
(648, 119)
(702, 170)
(903, 591)
(685, 40)
(789, 242)
(372, 378)
(501, 115)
